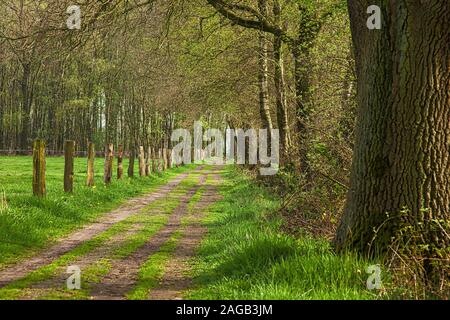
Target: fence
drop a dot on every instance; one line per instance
(50, 153)
(149, 160)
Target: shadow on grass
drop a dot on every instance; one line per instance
(246, 256)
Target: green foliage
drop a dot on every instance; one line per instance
(246, 256)
(420, 253)
(31, 223)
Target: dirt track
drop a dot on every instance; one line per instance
(122, 275)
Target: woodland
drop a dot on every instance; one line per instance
(363, 116)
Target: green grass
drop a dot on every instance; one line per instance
(246, 256)
(153, 269)
(28, 223)
(94, 273)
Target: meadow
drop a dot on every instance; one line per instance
(247, 256)
(28, 224)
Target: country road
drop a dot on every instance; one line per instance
(111, 252)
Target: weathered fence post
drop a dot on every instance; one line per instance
(160, 160)
(164, 152)
(39, 168)
(169, 158)
(109, 158)
(148, 167)
(90, 181)
(69, 153)
(131, 164)
(120, 163)
(154, 161)
(203, 155)
(141, 161)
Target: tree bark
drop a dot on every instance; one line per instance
(302, 97)
(26, 105)
(263, 73)
(280, 86)
(401, 161)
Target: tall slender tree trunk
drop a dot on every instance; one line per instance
(346, 123)
(280, 86)
(263, 73)
(26, 106)
(401, 166)
(302, 97)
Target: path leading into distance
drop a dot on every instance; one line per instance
(115, 252)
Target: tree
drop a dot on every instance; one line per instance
(400, 174)
(311, 17)
(280, 85)
(263, 73)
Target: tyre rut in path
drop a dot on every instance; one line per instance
(64, 245)
(125, 272)
(176, 279)
(57, 281)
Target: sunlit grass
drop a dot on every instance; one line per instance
(153, 217)
(28, 223)
(246, 256)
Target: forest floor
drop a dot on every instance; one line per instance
(200, 232)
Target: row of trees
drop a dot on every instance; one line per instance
(92, 85)
(138, 69)
(399, 183)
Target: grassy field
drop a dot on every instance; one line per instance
(28, 223)
(246, 256)
(149, 221)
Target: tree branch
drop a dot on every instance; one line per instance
(261, 23)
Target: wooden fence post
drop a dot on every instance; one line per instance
(131, 164)
(160, 160)
(109, 158)
(148, 167)
(164, 152)
(169, 158)
(69, 153)
(154, 161)
(120, 163)
(141, 161)
(39, 168)
(90, 181)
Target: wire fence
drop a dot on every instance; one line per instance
(50, 153)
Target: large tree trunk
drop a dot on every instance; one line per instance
(401, 164)
(263, 73)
